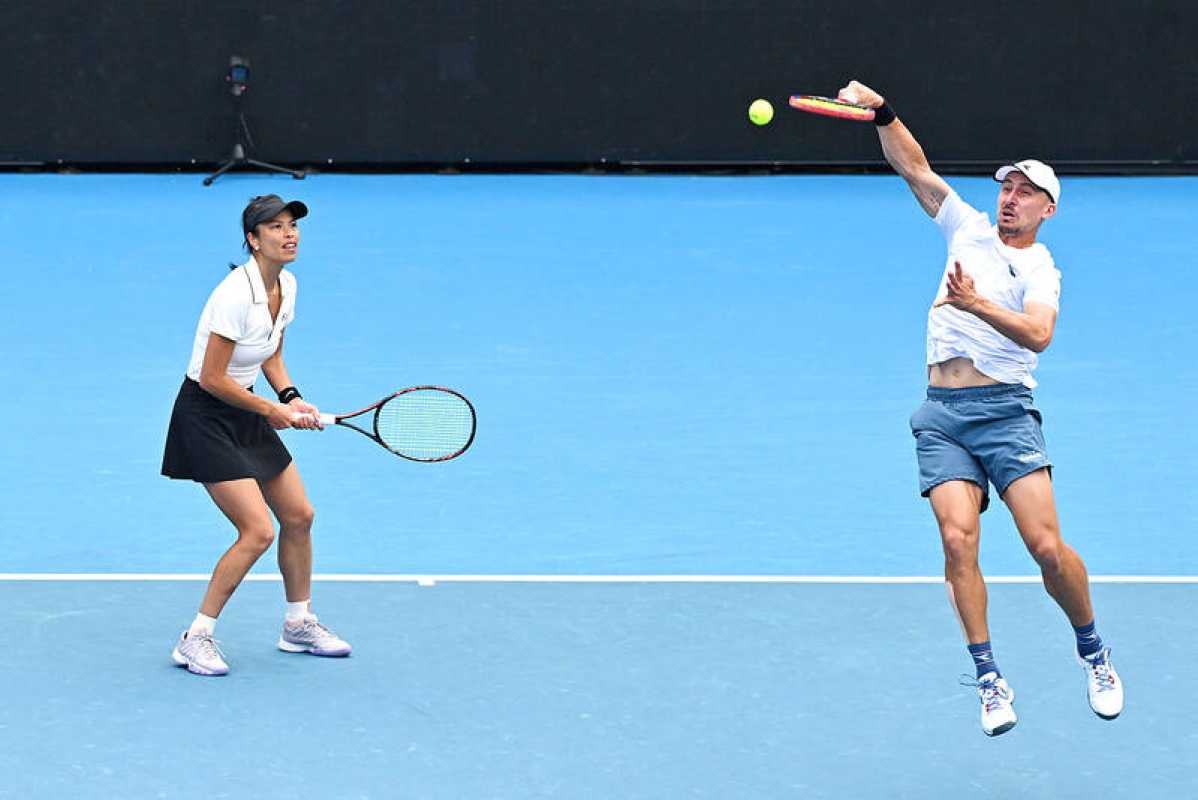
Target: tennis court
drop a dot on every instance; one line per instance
(685, 556)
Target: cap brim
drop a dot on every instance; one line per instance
(1003, 172)
(298, 210)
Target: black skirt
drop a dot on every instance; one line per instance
(211, 441)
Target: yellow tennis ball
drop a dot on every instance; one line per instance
(761, 112)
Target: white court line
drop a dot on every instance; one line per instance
(428, 579)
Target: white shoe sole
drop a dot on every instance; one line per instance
(194, 668)
(292, 647)
(1098, 713)
(1001, 729)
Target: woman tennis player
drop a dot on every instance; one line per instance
(223, 436)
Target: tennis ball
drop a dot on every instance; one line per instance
(761, 112)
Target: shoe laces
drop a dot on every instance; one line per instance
(1101, 671)
(207, 645)
(993, 695)
(313, 626)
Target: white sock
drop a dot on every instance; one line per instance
(298, 610)
(202, 624)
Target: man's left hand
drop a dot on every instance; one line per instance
(962, 293)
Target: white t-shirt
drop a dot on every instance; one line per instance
(237, 309)
(1008, 276)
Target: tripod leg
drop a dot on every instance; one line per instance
(225, 167)
(295, 173)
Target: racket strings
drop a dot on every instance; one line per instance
(426, 424)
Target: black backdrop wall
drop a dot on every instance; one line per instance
(427, 82)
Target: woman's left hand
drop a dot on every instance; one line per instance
(307, 416)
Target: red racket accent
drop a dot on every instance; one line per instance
(831, 107)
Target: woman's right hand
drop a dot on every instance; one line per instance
(280, 416)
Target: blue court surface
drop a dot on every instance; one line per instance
(685, 558)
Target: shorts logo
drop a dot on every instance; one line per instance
(1028, 458)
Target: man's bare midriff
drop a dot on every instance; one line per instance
(957, 373)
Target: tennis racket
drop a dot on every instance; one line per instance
(831, 107)
(422, 423)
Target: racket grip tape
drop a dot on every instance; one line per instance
(325, 419)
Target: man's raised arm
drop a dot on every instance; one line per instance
(901, 150)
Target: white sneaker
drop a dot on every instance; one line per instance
(200, 653)
(309, 636)
(998, 711)
(1103, 687)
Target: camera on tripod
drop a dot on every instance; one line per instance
(238, 76)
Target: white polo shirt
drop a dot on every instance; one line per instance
(237, 309)
(1007, 276)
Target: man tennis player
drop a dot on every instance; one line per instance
(995, 310)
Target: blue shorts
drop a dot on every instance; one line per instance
(984, 434)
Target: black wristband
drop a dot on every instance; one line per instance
(884, 115)
(289, 394)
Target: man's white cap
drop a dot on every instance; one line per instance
(1037, 172)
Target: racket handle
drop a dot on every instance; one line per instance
(325, 419)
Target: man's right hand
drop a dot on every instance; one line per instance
(860, 94)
